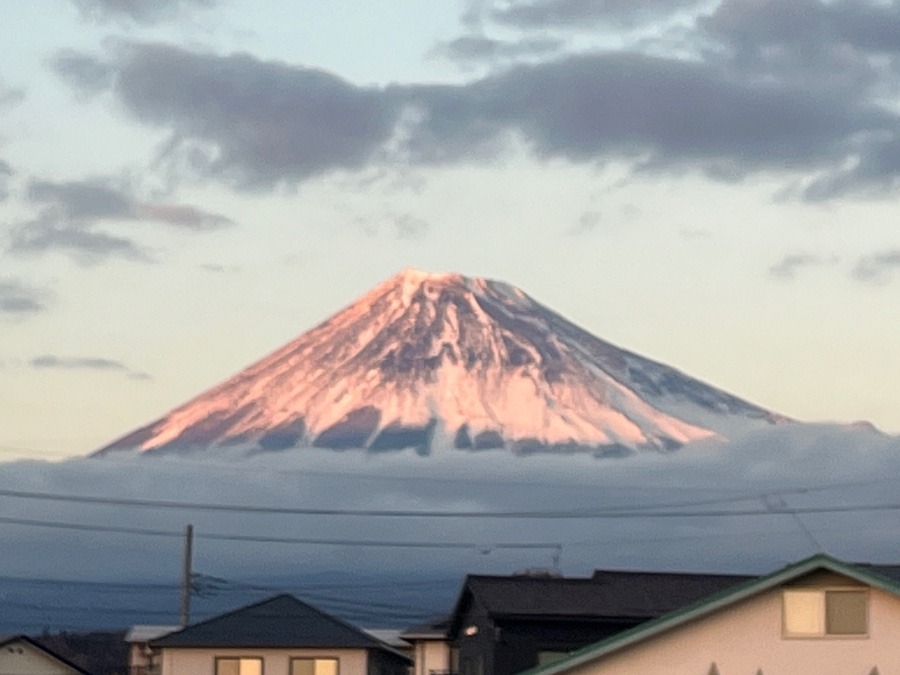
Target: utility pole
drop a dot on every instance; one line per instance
(186, 576)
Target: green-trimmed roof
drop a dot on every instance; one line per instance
(863, 573)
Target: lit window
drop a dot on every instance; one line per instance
(239, 666)
(314, 667)
(823, 613)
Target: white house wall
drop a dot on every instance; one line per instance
(20, 658)
(275, 661)
(746, 639)
(431, 656)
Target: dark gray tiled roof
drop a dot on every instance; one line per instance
(279, 622)
(436, 629)
(606, 594)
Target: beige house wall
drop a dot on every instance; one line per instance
(20, 658)
(275, 661)
(431, 655)
(746, 638)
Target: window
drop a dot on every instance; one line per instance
(825, 613)
(314, 666)
(239, 666)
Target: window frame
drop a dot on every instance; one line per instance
(262, 662)
(337, 660)
(823, 593)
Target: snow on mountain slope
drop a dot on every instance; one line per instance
(440, 361)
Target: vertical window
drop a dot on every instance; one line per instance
(823, 613)
(238, 666)
(314, 666)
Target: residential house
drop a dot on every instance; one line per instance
(392, 637)
(506, 624)
(21, 655)
(142, 660)
(431, 650)
(278, 636)
(816, 617)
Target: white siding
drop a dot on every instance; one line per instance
(20, 658)
(746, 638)
(275, 661)
(431, 655)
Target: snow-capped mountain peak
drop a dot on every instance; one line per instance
(444, 361)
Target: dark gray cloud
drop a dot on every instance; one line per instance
(480, 48)
(48, 232)
(251, 122)
(182, 215)
(531, 14)
(878, 267)
(18, 299)
(588, 221)
(138, 11)
(84, 73)
(49, 361)
(808, 43)
(10, 96)
(95, 363)
(408, 226)
(257, 124)
(82, 200)
(666, 113)
(6, 172)
(217, 268)
(787, 268)
(873, 173)
(72, 211)
(843, 50)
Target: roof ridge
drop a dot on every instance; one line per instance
(226, 614)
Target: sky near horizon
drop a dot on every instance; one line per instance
(185, 185)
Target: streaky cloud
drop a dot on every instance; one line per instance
(71, 212)
(879, 267)
(50, 361)
(789, 266)
(583, 14)
(139, 11)
(18, 299)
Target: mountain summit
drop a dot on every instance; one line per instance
(443, 361)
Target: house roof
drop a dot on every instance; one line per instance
(878, 576)
(436, 629)
(389, 636)
(608, 594)
(7, 640)
(282, 621)
(146, 632)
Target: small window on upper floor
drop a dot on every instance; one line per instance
(238, 666)
(314, 666)
(809, 613)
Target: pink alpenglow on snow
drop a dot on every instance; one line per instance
(443, 362)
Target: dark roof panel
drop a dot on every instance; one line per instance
(279, 622)
(606, 594)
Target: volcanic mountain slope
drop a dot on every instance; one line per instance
(442, 361)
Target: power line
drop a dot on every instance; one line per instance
(368, 543)
(640, 511)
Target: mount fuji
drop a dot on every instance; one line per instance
(442, 362)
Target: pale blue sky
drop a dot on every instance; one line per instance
(725, 205)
